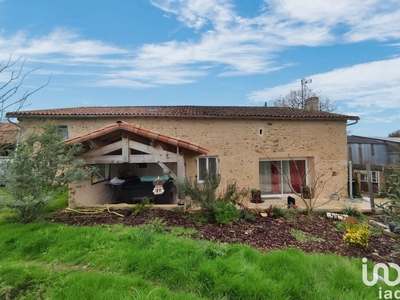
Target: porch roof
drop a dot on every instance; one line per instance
(141, 131)
(8, 133)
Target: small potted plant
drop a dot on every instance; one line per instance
(256, 195)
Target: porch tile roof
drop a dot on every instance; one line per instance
(139, 130)
(253, 112)
(8, 133)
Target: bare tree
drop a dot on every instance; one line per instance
(310, 193)
(11, 99)
(295, 100)
(395, 133)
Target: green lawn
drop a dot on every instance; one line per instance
(46, 260)
(59, 201)
(54, 261)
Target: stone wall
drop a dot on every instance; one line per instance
(239, 144)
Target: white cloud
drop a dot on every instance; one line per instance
(232, 44)
(60, 42)
(123, 83)
(328, 13)
(379, 27)
(198, 13)
(385, 119)
(358, 21)
(366, 85)
(250, 45)
(224, 50)
(141, 78)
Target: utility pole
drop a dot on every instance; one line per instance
(303, 83)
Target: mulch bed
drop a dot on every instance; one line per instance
(265, 233)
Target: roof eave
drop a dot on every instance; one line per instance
(320, 118)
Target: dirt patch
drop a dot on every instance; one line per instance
(264, 233)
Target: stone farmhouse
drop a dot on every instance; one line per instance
(273, 149)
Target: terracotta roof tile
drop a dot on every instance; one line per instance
(139, 130)
(253, 112)
(8, 133)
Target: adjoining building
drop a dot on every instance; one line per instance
(378, 152)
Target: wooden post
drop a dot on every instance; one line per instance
(181, 177)
(351, 179)
(370, 188)
(125, 149)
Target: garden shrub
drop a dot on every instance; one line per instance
(157, 225)
(391, 208)
(353, 211)
(42, 166)
(357, 234)
(320, 212)
(278, 211)
(291, 214)
(205, 195)
(225, 212)
(247, 215)
(142, 206)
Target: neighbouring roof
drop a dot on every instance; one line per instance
(139, 130)
(353, 139)
(8, 133)
(387, 139)
(253, 112)
(356, 139)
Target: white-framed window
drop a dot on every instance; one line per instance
(64, 132)
(206, 165)
(282, 176)
(374, 176)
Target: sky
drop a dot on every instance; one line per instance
(207, 52)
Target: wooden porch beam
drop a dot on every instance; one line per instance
(152, 158)
(95, 144)
(145, 148)
(104, 150)
(120, 145)
(136, 158)
(167, 170)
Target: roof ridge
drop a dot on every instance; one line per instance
(186, 111)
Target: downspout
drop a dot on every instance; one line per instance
(351, 180)
(350, 164)
(354, 123)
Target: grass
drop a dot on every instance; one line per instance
(59, 201)
(54, 261)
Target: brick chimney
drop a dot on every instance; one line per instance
(311, 104)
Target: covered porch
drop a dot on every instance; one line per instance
(133, 162)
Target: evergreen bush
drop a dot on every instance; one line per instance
(41, 166)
